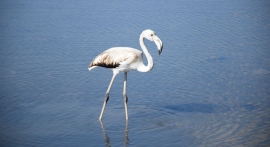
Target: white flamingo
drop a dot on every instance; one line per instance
(124, 59)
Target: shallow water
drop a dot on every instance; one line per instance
(209, 87)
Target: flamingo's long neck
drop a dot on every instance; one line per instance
(150, 64)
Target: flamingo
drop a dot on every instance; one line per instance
(124, 59)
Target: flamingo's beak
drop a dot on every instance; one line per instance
(159, 44)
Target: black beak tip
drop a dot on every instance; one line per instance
(159, 52)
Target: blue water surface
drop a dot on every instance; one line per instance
(209, 87)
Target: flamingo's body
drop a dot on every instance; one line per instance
(121, 59)
(124, 59)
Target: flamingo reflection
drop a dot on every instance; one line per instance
(107, 138)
